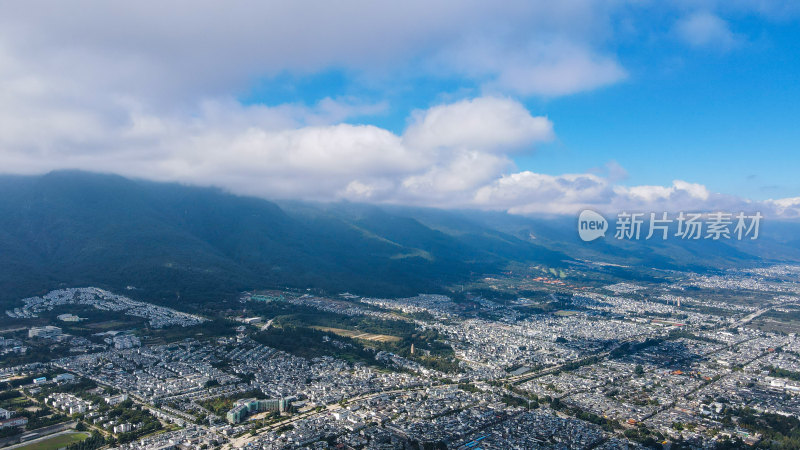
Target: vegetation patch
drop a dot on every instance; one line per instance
(359, 334)
(56, 442)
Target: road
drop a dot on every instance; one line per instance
(512, 379)
(243, 440)
(546, 371)
(749, 318)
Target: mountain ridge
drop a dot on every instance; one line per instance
(73, 228)
(199, 244)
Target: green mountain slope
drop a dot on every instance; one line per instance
(198, 244)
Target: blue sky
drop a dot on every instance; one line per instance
(525, 106)
(724, 117)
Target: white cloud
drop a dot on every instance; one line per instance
(487, 123)
(271, 152)
(149, 90)
(786, 207)
(534, 193)
(649, 194)
(528, 192)
(549, 69)
(706, 30)
(166, 52)
(451, 182)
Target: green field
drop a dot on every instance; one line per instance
(55, 442)
(359, 334)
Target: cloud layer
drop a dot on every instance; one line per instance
(706, 30)
(149, 89)
(176, 50)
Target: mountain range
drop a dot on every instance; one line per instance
(171, 242)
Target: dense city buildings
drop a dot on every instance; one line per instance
(248, 406)
(691, 360)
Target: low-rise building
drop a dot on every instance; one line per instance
(122, 428)
(115, 399)
(13, 422)
(248, 406)
(126, 341)
(64, 378)
(45, 332)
